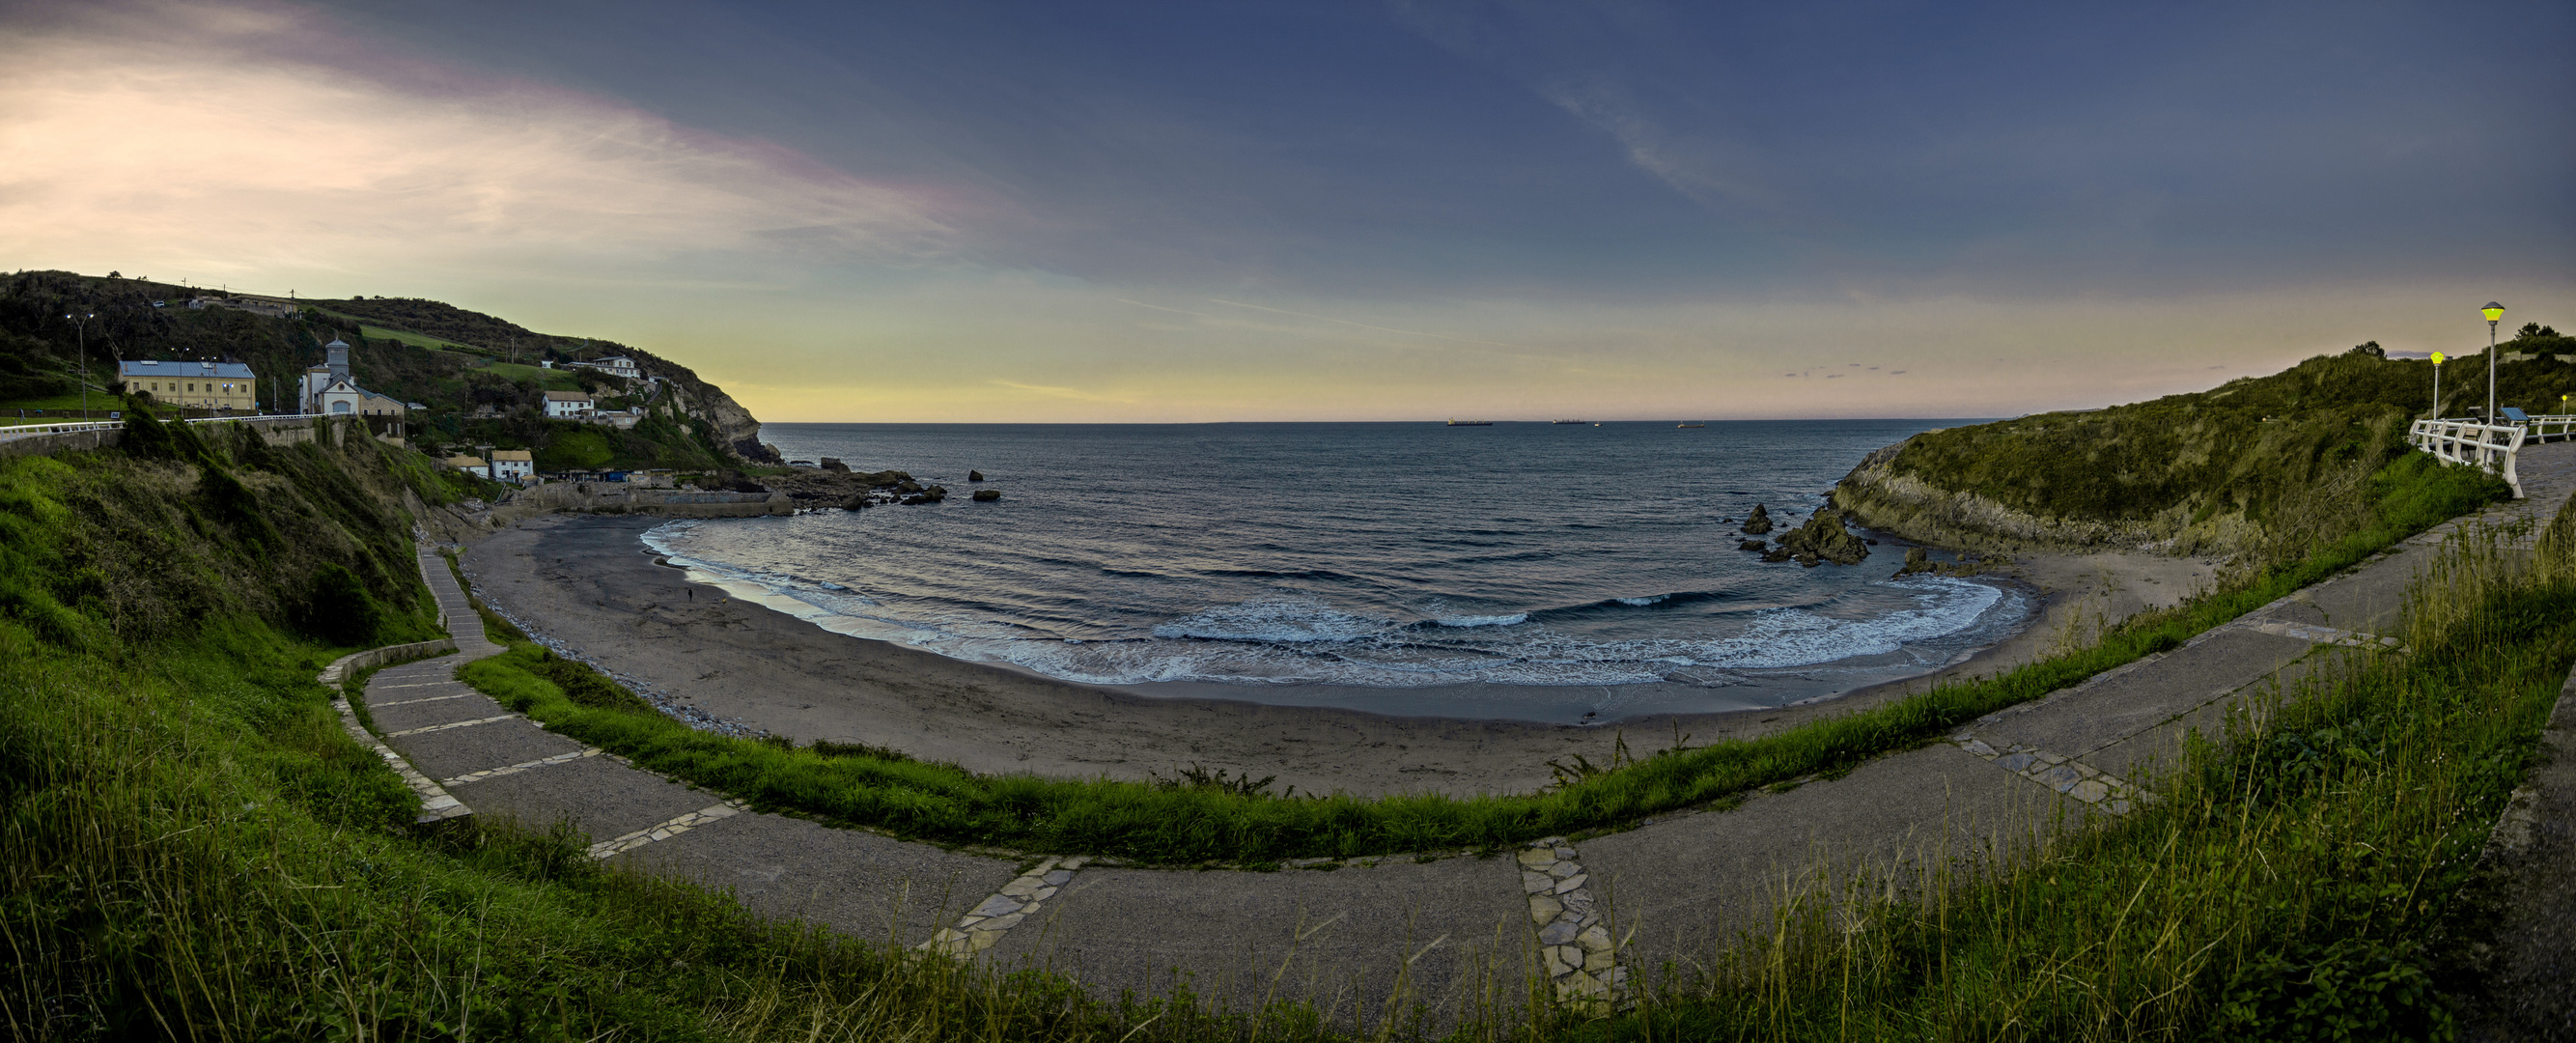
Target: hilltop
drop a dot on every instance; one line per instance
(2261, 466)
(482, 379)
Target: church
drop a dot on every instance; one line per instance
(329, 389)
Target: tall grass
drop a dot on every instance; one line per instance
(2286, 886)
(1216, 822)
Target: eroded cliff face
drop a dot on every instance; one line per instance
(740, 430)
(1879, 495)
(736, 430)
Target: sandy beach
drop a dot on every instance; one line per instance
(589, 582)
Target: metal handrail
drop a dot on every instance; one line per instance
(2487, 447)
(64, 427)
(2544, 428)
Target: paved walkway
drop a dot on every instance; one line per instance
(1452, 933)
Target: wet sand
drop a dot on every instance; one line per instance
(590, 582)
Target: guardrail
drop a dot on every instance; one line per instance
(2546, 428)
(115, 425)
(2488, 447)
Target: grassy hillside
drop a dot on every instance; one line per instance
(474, 394)
(191, 847)
(2263, 465)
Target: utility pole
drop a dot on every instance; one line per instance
(82, 325)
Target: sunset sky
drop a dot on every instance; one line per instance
(1317, 211)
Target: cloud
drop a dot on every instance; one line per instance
(1062, 392)
(253, 138)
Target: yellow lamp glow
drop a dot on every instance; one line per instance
(2437, 358)
(2493, 311)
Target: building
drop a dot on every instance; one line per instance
(328, 389)
(618, 366)
(194, 385)
(513, 465)
(564, 405)
(469, 464)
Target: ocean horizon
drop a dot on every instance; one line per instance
(1525, 570)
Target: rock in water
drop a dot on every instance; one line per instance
(1917, 560)
(987, 495)
(974, 476)
(1823, 536)
(833, 463)
(1751, 545)
(1758, 522)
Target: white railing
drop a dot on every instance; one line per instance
(2545, 428)
(59, 428)
(2488, 447)
(67, 426)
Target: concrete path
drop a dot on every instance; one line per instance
(1448, 934)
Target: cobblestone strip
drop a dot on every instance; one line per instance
(1007, 908)
(452, 724)
(374, 705)
(1574, 943)
(2324, 635)
(424, 684)
(2064, 774)
(494, 773)
(666, 830)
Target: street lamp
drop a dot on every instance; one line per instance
(2437, 385)
(2493, 312)
(81, 324)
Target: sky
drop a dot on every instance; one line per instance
(1310, 210)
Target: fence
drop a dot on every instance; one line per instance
(2488, 447)
(2547, 428)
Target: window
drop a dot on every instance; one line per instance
(339, 407)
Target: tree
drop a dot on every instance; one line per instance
(2370, 348)
(2533, 329)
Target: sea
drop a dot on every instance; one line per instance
(1525, 571)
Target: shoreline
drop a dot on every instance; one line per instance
(591, 583)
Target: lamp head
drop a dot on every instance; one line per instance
(2437, 358)
(2492, 311)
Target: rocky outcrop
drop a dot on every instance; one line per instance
(833, 463)
(974, 476)
(843, 488)
(1880, 496)
(1759, 522)
(1823, 538)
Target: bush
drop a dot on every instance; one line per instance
(340, 610)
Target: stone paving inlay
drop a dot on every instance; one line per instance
(494, 773)
(666, 830)
(1574, 940)
(1007, 908)
(452, 724)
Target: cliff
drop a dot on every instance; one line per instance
(2261, 466)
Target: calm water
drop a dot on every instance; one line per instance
(1440, 570)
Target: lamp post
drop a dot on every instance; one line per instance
(2492, 311)
(2437, 385)
(81, 324)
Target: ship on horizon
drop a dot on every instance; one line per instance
(1455, 422)
(1569, 421)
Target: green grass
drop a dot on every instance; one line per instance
(416, 340)
(1201, 821)
(548, 379)
(2308, 878)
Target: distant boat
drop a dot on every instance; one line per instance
(1572, 422)
(1455, 422)
(1690, 425)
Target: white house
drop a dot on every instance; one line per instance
(513, 465)
(618, 366)
(564, 405)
